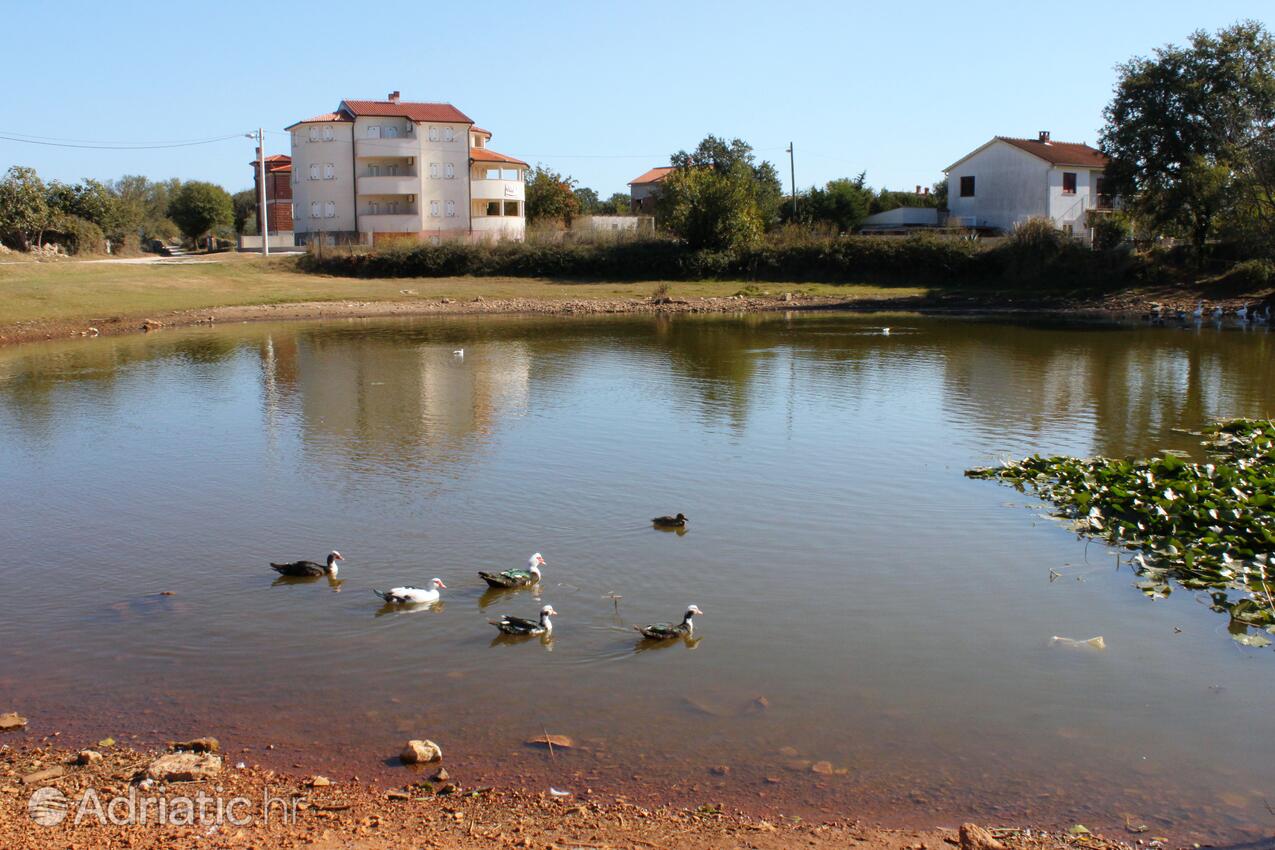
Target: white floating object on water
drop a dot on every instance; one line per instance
(554, 792)
(885, 332)
(460, 352)
(1093, 643)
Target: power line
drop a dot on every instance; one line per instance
(126, 146)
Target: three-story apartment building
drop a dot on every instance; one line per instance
(381, 169)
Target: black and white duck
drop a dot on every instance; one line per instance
(413, 595)
(678, 521)
(310, 569)
(522, 626)
(664, 631)
(516, 577)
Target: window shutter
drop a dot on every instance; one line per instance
(329, 209)
(450, 170)
(314, 171)
(447, 134)
(433, 134)
(314, 209)
(329, 171)
(433, 170)
(433, 208)
(451, 209)
(314, 134)
(327, 134)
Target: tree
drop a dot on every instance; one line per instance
(710, 208)
(1186, 127)
(725, 158)
(199, 208)
(842, 203)
(587, 201)
(621, 203)
(90, 200)
(24, 210)
(245, 204)
(550, 197)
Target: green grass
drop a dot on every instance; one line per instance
(70, 292)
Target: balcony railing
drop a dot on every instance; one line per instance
(386, 209)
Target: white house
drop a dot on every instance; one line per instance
(1008, 181)
(392, 169)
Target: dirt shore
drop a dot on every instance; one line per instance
(426, 811)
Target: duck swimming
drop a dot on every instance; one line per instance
(309, 569)
(522, 626)
(678, 521)
(413, 595)
(515, 577)
(664, 631)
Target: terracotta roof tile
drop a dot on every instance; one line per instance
(486, 133)
(488, 155)
(655, 175)
(325, 118)
(441, 112)
(1061, 153)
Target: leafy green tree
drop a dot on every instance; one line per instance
(550, 197)
(939, 193)
(143, 206)
(24, 209)
(1186, 125)
(711, 208)
(726, 158)
(199, 208)
(587, 201)
(620, 203)
(887, 199)
(90, 200)
(245, 204)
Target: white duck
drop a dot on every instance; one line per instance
(413, 595)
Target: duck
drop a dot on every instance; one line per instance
(522, 626)
(1199, 310)
(516, 578)
(309, 569)
(664, 631)
(678, 521)
(413, 595)
(1242, 313)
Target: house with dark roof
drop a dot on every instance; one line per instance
(278, 168)
(644, 189)
(1010, 180)
(374, 170)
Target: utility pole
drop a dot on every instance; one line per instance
(262, 223)
(792, 172)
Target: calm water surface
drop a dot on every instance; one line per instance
(893, 617)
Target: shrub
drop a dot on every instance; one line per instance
(1109, 231)
(76, 235)
(1251, 274)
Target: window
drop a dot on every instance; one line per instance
(433, 134)
(329, 171)
(451, 209)
(1069, 229)
(373, 208)
(493, 208)
(478, 141)
(967, 187)
(329, 209)
(327, 134)
(391, 170)
(433, 208)
(433, 170)
(391, 132)
(374, 171)
(511, 207)
(1069, 182)
(448, 135)
(373, 132)
(449, 170)
(314, 209)
(314, 134)
(314, 171)
(392, 208)
(508, 174)
(491, 173)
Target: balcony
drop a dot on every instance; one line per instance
(399, 146)
(389, 184)
(498, 190)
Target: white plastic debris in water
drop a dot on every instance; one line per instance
(240, 766)
(1096, 643)
(554, 792)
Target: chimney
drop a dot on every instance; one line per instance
(925, 191)
(394, 99)
(918, 188)
(1044, 136)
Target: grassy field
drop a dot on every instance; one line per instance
(67, 292)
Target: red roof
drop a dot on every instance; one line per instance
(322, 119)
(1061, 153)
(488, 155)
(655, 175)
(486, 133)
(276, 162)
(440, 112)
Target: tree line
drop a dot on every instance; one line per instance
(129, 212)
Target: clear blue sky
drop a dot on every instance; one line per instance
(601, 91)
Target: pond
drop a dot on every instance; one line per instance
(877, 635)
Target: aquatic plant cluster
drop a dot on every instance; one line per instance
(1208, 526)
